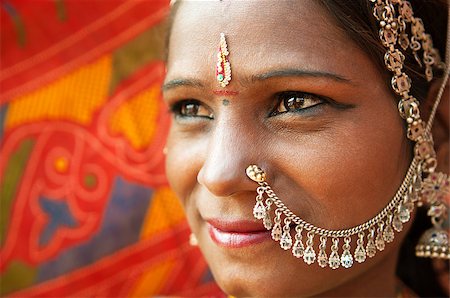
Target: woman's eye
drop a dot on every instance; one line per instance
(294, 101)
(191, 108)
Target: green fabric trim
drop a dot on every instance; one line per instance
(17, 276)
(11, 179)
(145, 48)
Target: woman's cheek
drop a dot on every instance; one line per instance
(334, 173)
(182, 160)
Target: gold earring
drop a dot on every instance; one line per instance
(223, 66)
(434, 242)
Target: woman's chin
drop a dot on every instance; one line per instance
(256, 277)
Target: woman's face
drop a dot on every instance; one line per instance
(335, 158)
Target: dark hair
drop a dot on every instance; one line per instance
(355, 18)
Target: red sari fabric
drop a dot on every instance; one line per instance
(85, 206)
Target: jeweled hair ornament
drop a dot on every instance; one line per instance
(420, 185)
(223, 66)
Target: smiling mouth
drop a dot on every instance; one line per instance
(237, 234)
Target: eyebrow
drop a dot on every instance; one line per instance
(292, 72)
(289, 72)
(181, 82)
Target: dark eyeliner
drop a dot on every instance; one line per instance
(311, 109)
(305, 110)
(177, 108)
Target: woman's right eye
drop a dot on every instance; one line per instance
(191, 108)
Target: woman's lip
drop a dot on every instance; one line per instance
(237, 234)
(237, 226)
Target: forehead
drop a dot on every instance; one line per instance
(260, 34)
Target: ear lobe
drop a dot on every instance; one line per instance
(440, 129)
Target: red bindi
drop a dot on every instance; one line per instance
(225, 92)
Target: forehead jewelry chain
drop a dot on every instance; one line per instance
(420, 182)
(394, 29)
(223, 67)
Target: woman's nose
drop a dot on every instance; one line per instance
(231, 150)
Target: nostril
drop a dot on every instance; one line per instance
(217, 180)
(223, 166)
(224, 180)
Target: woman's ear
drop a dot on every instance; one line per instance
(440, 129)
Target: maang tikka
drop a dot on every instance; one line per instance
(420, 185)
(223, 66)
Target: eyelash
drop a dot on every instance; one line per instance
(191, 108)
(182, 108)
(295, 101)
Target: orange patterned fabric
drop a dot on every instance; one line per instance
(85, 206)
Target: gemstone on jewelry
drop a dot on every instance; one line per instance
(223, 68)
(298, 249)
(276, 232)
(267, 222)
(346, 259)
(322, 259)
(334, 261)
(259, 211)
(404, 214)
(435, 187)
(255, 173)
(379, 242)
(434, 243)
(388, 36)
(401, 83)
(438, 238)
(388, 234)
(371, 249)
(416, 130)
(360, 254)
(424, 149)
(286, 240)
(397, 223)
(394, 60)
(436, 210)
(309, 256)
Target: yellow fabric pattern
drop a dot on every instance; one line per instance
(73, 97)
(165, 212)
(136, 118)
(150, 282)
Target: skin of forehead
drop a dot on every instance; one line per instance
(300, 36)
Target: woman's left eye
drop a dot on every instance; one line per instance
(295, 101)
